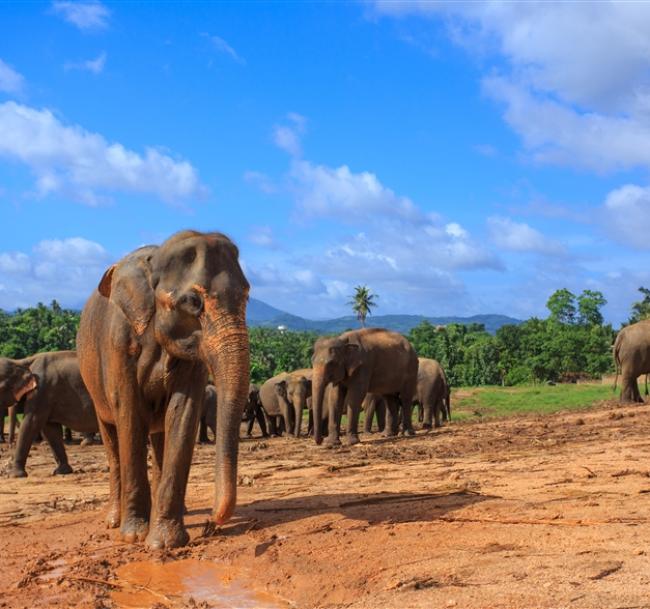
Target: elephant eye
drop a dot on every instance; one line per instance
(189, 255)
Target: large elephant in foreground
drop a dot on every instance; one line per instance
(286, 394)
(50, 393)
(371, 360)
(632, 357)
(432, 394)
(161, 318)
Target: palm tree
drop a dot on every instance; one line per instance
(362, 302)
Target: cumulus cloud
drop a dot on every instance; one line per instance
(262, 236)
(96, 66)
(223, 47)
(63, 269)
(87, 16)
(520, 237)
(626, 215)
(288, 137)
(10, 80)
(69, 160)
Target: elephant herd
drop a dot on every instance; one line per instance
(163, 322)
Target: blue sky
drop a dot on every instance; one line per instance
(457, 158)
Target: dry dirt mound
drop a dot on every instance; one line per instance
(518, 513)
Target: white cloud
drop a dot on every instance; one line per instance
(262, 236)
(223, 47)
(10, 80)
(63, 269)
(84, 15)
(520, 237)
(83, 165)
(261, 181)
(96, 66)
(626, 216)
(288, 137)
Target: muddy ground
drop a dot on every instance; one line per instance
(525, 512)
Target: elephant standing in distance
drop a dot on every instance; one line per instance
(371, 360)
(432, 395)
(632, 357)
(161, 318)
(254, 412)
(208, 414)
(49, 389)
(374, 406)
(286, 394)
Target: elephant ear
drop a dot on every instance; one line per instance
(128, 285)
(352, 357)
(24, 387)
(281, 388)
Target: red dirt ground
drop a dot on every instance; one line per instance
(520, 513)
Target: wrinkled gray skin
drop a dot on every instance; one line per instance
(374, 406)
(371, 360)
(161, 319)
(209, 415)
(632, 357)
(432, 394)
(48, 389)
(286, 394)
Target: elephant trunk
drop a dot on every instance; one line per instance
(226, 351)
(319, 382)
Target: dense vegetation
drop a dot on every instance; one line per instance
(572, 342)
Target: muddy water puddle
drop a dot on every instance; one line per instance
(172, 584)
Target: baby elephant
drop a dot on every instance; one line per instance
(49, 389)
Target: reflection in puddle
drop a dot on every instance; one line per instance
(173, 583)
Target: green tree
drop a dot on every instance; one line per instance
(641, 308)
(589, 304)
(362, 303)
(562, 306)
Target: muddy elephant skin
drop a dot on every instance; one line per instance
(371, 360)
(161, 319)
(432, 394)
(48, 389)
(632, 358)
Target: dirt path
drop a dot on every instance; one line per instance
(520, 513)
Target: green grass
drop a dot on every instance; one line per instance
(478, 402)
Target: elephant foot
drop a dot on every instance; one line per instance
(16, 471)
(409, 432)
(390, 434)
(86, 442)
(426, 425)
(331, 442)
(352, 439)
(62, 470)
(134, 529)
(265, 435)
(113, 517)
(167, 534)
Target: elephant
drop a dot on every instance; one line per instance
(254, 412)
(49, 390)
(286, 394)
(330, 398)
(88, 438)
(209, 414)
(370, 360)
(374, 405)
(632, 358)
(432, 395)
(160, 321)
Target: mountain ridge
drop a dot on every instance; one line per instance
(261, 314)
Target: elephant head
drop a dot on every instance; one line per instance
(16, 381)
(294, 390)
(334, 361)
(190, 293)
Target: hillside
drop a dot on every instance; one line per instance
(264, 315)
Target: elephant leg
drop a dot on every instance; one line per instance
(298, 420)
(353, 400)
(181, 421)
(428, 413)
(33, 422)
(203, 431)
(630, 388)
(368, 416)
(3, 413)
(108, 434)
(335, 408)
(53, 433)
(135, 491)
(287, 415)
(310, 423)
(392, 421)
(88, 439)
(406, 399)
(420, 412)
(68, 435)
(157, 450)
(273, 430)
(437, 412)
(261, 421)
(380, 411)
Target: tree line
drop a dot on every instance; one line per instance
(572, 342)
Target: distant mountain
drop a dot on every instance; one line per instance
(261, 314)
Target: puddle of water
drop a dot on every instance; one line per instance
(174, 582)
